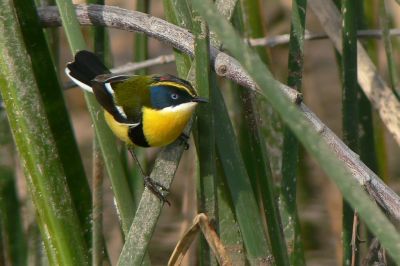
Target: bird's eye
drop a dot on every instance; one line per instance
(174, 96)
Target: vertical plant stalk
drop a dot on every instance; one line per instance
(54, 104)
(207, 190)
(258, 163)
(368, 152)
(302, 128)
(372, 148)
(349, 110)
(140, 53)
(248, 21)
(257, 248)
(149, 208)
(373, 85)
(243, 198)
(100, 39)
(13, 240)
(107, 142)
(99, 250)
(45, 177)
(241, 187)
(178, 13)
(97, 230)
(371, 127)
(228, 226)
(254, 28)
(2, 248)
(290, 153)
(238, 185)
(99, 44)
(385, 21)
(52, 35)
(140, 43)
(253, 24)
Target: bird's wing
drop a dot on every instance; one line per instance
(104, 90)
(123, 96)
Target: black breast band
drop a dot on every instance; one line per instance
(137, 137)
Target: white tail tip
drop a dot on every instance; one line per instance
(77, 82)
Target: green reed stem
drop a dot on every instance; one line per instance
(243, 198)
(46, 179)
(53, 100)
(303, 130)
(13, 239)
(350, 110)
(290, 154)
(207, 189)
(392, 68)
(257, 158)
(106, 139)
(178, 13)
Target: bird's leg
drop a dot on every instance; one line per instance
(184, 140)
(155, 187)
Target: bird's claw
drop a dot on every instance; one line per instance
(184, 140)
(157, 189)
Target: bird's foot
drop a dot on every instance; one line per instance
(157, 189)
(184, 140)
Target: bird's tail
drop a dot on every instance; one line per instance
(85, 68)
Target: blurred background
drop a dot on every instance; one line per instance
(319, 201)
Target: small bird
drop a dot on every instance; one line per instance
(141, 110)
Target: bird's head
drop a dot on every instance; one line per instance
(173, 93)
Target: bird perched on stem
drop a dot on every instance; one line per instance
(146, 111)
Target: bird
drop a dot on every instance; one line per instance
(141, 110)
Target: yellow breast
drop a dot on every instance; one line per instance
(161, 127)
(120, 130)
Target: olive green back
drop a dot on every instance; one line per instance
(133, 94)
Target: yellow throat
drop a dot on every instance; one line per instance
(161, 127)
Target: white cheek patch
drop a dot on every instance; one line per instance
(77, 82)
(184, 107)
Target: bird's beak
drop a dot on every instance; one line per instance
(200, 100)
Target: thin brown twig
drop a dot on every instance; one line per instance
(200, 223)
(354, 238)
(131, 66)
(312, 36)
(228, 67)
(273, 41)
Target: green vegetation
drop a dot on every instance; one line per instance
(248, 167)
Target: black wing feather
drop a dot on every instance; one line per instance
(86, 67)
(105, 98)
